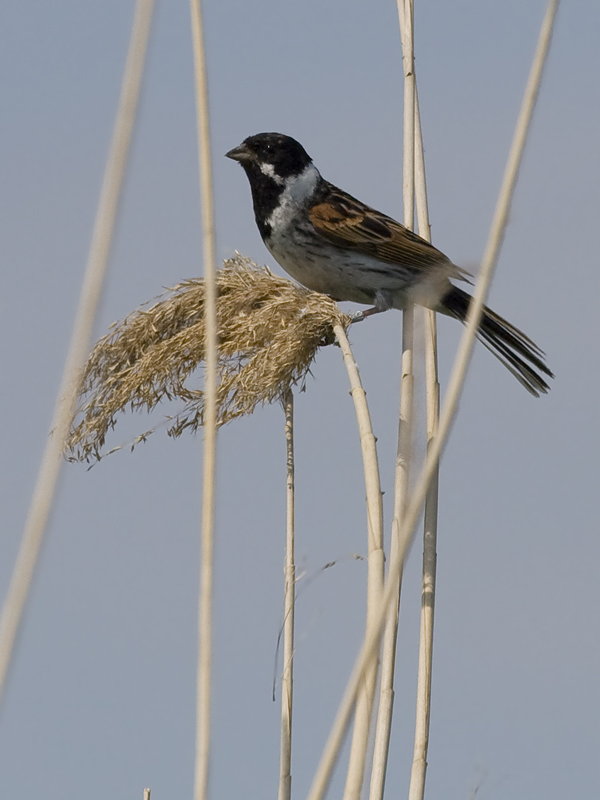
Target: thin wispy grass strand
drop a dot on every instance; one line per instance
(43, 495)
(369, 646)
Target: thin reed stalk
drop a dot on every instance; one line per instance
(405, 12)
(420, 176)
(459, 370)
(95, 272)
(421, 743)
(424, 672)
(405, 422)
(365, 696)
(287, 682)
(388, 655)
(204, 675)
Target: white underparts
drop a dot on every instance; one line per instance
(297, 190)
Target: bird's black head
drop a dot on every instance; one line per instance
(270, 160)
(272, 154)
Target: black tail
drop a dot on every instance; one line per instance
(515, 350)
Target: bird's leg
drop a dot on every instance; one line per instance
(360, 315)
(375, 310)
(383, 302)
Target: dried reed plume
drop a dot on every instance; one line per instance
(269, 332)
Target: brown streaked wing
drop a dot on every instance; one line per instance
(346, 222)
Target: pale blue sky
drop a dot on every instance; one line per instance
(101, 697)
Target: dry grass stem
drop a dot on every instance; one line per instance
(205, 594)
(43, 495)
(269, 333)
(406, 416)
(289, 607)
(421, 742)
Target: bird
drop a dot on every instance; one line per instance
(332, 243)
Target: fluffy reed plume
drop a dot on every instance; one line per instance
(269, 332)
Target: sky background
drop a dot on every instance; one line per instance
(101, 697)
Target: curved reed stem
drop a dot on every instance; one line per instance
(388, 655)
(95, 272)
(366, 692)
(204, 676)
(459, 370)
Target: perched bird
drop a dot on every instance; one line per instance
(332, 243)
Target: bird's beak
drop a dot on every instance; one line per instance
(240, 153)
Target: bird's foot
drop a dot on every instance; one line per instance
(358, 316)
